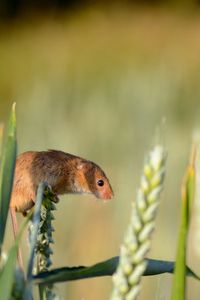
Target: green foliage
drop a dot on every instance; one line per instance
(8, 270)
(105, 268)
(44, 241)
(179, 282)
(136, 244)
(7, 172)
(1, 137)
(33, 240)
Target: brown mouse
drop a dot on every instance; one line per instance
(64, 172)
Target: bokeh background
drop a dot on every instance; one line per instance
(97, 79)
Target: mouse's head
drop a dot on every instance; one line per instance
(91, 179)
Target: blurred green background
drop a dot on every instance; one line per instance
(97, 81)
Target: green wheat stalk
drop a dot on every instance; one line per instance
(43, 249)
(132, 263)
(187, 196)
(196, 208)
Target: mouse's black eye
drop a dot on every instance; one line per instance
(100, 182)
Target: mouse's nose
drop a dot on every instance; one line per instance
(107, 194)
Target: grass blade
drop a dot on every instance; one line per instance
(7, 273)
(179, 282)
(1, 137)
(105, 268)
(7, 172)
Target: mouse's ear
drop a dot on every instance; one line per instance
(80, 166)
(83, 165)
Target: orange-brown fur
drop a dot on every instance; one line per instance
(65, 173)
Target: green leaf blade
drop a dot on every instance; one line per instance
(7, 272)
(7, 172)
(105, 268)
(1, 138)
(179, 281)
